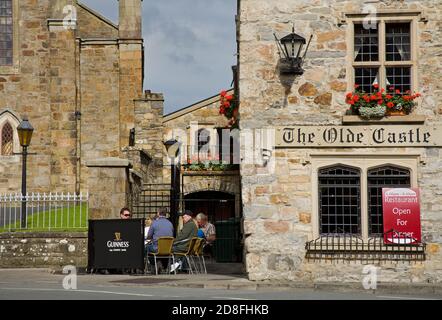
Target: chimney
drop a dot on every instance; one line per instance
(130, 19)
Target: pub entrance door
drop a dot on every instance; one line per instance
(220, 209)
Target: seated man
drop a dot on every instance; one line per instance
(161, 227)
(208, 230)
(189, 231)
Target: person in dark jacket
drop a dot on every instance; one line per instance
(182, 240)
(189, 231)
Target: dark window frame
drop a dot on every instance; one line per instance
(339, 186)
(386, 176)
(6, 33)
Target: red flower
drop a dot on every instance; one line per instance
(390, 104)
(366, 98)
(398, 91)
(229, 98)
(418, 95)
(223, 93)
(376, 86)
(389, 97)
(356, 98)
(357, 86)
(349, 95)
(373, 98)
(380, 102)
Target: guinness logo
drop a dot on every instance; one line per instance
(117, 236)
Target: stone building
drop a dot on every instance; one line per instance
(75, 74)
(288, 211)
(207, 189)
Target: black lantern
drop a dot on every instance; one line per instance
(290, 49)
(25, 131)
(172, 148)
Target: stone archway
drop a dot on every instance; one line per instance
(229, 184)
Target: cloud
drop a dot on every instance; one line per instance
(190, 46)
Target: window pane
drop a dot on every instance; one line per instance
(366, 44)
(5, 32)
(339, 200)
(399, 78)
(384, 177)
(7, 140)
(398, 42)
(366, 78)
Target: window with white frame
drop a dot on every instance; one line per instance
(383, 54)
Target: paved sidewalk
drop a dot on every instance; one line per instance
(229, 282)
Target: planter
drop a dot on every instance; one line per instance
(377, 112)
(396, 113)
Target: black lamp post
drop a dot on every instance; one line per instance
(173, 150)
(290, 49)
(25, 131)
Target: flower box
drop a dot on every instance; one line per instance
(381, 102)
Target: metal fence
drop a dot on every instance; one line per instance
(43, 212)
(348, 247)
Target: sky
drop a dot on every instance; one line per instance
(190, 46)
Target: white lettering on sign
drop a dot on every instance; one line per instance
(399, 211)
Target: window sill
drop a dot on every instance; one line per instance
(408, 119)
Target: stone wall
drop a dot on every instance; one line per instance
(77, 87)
(147, 154)
(278, 207)
(99, 87)
(43, 250)
(204, 114)
(108, 183)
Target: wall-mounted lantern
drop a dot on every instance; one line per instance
(290, 49)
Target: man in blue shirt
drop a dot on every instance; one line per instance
(161, 227)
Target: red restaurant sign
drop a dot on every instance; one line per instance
(402, 214)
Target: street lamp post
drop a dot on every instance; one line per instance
(25, 131)
(173, 149)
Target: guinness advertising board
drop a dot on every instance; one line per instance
(116, 244)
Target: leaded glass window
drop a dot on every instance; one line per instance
(340, 200)
(383, 55)
(383, 177)
(6, 33)
(7, 140)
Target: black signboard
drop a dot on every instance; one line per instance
(116, 244)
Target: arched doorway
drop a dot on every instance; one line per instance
(220, 208)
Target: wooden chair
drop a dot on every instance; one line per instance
(164, 251)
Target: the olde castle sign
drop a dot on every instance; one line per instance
(358, 136)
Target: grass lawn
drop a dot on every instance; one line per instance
(58, 220)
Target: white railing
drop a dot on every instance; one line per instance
(43, 212)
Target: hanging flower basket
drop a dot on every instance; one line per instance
(229, 108)
(381, 102)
